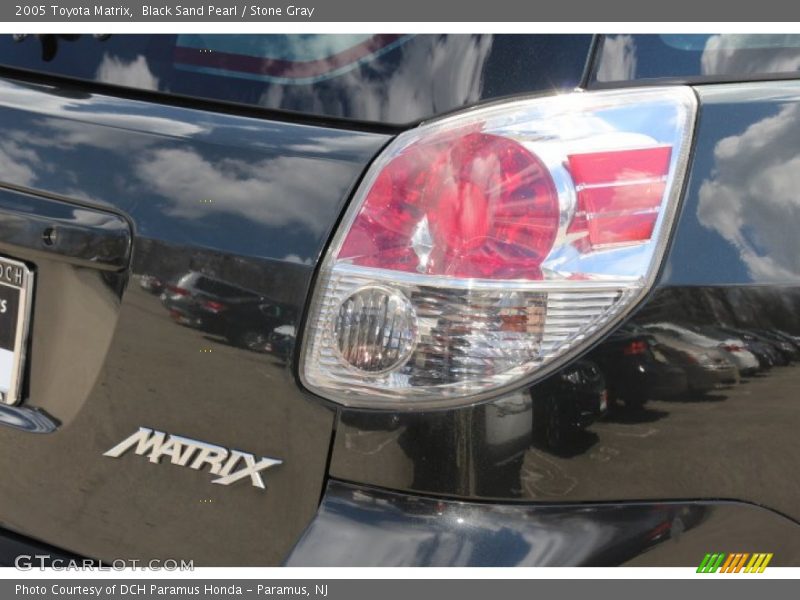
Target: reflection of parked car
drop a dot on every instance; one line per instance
(706, 368)
(745, 361)
(151, 283)
(281, 341)
(220, 308)
(787, 344)
(794, 339)
(766, 355)
(633, 371)
(569, 401)
(778, 355)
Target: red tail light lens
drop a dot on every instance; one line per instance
(638, 347)
(619, 195)
(214, 306)
(732, 347)
(478, 205)
(177, 291)
(486, 249)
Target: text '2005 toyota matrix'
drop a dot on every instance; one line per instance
(400, 299)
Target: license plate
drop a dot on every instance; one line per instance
(16, 292)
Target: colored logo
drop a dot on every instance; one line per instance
(740, 562)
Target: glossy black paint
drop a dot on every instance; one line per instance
(398, 79)
(253, 203)
(13, 546)
(568, 403)
(733, 261)
(634, 371)
(82, 236)
(241, 316)
(369, 527)
(31, 420)
(249, 201)
(647, 58)
(705, 369)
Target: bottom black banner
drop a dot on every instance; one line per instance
(386, 589)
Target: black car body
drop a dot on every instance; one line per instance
(281, 342)
(706, 368)
(634, 372)
(217, 307)
(126, 156)
(785, 343)
(569, 403)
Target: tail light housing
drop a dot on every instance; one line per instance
(484, 250)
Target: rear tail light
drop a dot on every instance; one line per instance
(732, 347)
(634, 348)
(214, 306)
(177, 291)
(619, 195)
(484, 250)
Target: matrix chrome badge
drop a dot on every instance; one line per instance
(186, 452)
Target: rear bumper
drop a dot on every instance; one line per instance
(360, 526)
(357, 526)
(701, 380)
(667, 382)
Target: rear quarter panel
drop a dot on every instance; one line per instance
(247, 200)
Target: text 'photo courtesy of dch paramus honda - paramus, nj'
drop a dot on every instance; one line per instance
(416, 300)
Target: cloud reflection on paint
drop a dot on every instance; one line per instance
(618, 59)
(752, 199)
(738, 53)
(134, 73)
(272, 191)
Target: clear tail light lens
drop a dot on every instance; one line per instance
(484, 250)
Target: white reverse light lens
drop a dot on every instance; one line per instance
(484, 250)
(375, 329)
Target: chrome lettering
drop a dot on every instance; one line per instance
(211, 455)
(251, 468)
(141, 439)
(195, 454)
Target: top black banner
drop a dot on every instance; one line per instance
(265, 11)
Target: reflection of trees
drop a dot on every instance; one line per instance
(745, 307)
